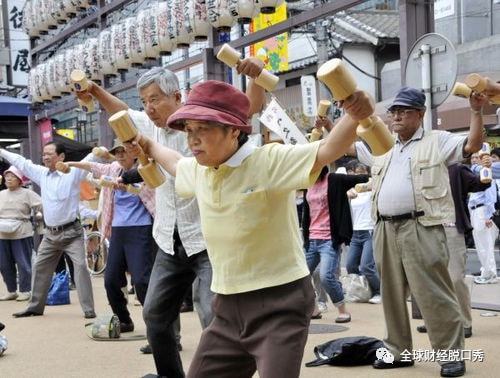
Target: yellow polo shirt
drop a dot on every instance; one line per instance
(248, 214)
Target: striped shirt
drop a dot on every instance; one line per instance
(172, 210)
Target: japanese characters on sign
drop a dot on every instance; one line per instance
(19, 44)
(309, 99)
(276, 120)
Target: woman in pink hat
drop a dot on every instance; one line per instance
(16, 234)
(246, 194)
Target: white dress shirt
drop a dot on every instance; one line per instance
(171, 209)
(60, 192)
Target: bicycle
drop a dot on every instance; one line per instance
(96, 250)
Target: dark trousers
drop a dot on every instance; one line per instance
(171, 277)
(16, 252)
(129, 249)
(61, 265)
(264, 330)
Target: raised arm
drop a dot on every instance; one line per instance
(110, 103)
(358, 106)
(31, 170)
(164, 156)
(80, 164)
(475, 137)
(252, 67)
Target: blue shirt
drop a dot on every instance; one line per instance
(129, 211)
(60, 192)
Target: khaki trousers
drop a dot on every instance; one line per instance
(456, 266)
(411, 257)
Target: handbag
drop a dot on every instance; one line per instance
(356, 288)
(59, 290)
(9, 226)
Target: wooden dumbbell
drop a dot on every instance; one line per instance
(232, 58)
(323, 107)
(63, 167)
(342, 85)
(363, 187)
(103, 153)
(461, 90)
(124, 128)
(485, 174)
(482, 84)
(80, 83)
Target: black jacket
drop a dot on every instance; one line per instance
(338, 207)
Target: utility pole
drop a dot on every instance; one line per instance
(322, 51)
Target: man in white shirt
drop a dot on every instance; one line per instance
(176, 229)
(60, 199)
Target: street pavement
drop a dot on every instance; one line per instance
(55, 345)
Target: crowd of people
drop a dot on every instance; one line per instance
(227, 205)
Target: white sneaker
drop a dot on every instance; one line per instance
(485, 280)
(23, 296)
(322, 307)
(376, 299)
(9, 297)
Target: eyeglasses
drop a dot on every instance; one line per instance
(400, 112)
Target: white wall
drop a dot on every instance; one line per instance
(362, 57)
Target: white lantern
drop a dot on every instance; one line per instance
(106, 53)
(62, 79)
(149, 26)
(34, 90)
(42, 80)
(83, 5)
(70, 8)
(219, 15)
(52, 87)
(181, 26)
(171, 26)
(269, 6)
(198, 19)
(244, 10)
(40, 16)
(135, 42)
(79, 57)
(166, 44)
(47, 7)
(91, 59)
(69, 66)
(122, 51)
(29, 21)
(56, 11)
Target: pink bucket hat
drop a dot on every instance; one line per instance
(214, 101)
(16, 172)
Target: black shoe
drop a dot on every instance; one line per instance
(422, 329)
(380, 364)
(186, 308)
(453, 369)
(126, 326)
(25, 314)
(89, 314)
(467, 332)
(146, 349)
(2, 326)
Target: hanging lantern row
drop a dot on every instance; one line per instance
(40, 16)
(155, 31)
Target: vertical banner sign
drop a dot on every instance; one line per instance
(273, 51)
(309, 100)
(45, 131)
(19, 44)
(276, 120)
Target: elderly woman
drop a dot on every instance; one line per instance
(16, 234)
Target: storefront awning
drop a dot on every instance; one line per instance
(14, 107)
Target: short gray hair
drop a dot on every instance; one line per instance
(166, 80)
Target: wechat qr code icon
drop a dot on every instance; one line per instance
(384, 355)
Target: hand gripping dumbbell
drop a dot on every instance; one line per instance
(461, 90)
(103, 153)
(485, 174)
(481, 84)
(125, 130)
(80, 83)
(323, 107)
(231, 57)
(342, 85)
(109, 182)
(63, 167)
(363, 187)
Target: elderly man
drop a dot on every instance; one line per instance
(60, 200)
(176, 228)
(411, 202)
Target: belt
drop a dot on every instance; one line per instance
(477, 206)
(392, 218)
(62, 227)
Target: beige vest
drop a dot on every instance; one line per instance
(430, 181)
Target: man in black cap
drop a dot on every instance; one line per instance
(411, 202)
